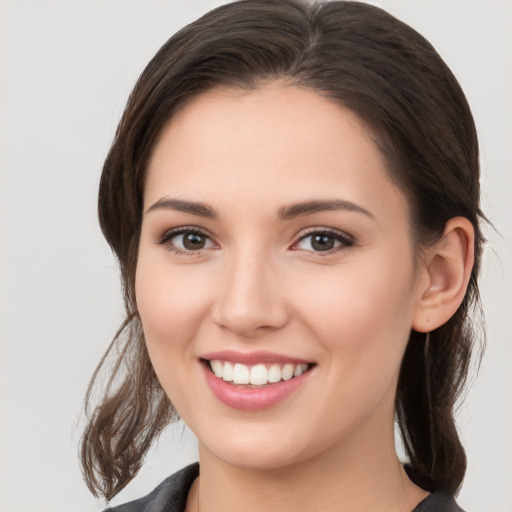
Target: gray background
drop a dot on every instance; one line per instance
(66, 70)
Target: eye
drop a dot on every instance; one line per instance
(323, 241)
(186, 240)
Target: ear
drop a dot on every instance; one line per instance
(447, 269)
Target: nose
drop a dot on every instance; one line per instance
(251, 299)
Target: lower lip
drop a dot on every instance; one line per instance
(252, 399)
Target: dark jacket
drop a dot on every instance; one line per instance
(171, 496)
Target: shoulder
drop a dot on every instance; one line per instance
(169, 496)
(438, 502)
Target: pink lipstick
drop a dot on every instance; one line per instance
(253, 381)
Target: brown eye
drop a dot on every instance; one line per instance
(193, 241)
(324, 241)
(185, 240)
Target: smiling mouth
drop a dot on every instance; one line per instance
(255, 375)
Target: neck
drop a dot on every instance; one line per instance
(344, 479)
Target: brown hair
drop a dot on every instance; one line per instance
(389, 75)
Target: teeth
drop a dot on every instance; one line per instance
(274, 373)
(298, 370)
(227, 372)
(240, 374)
(217, 368)
(287, 372)
(257, 375)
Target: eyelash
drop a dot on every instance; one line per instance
(344, 240)
(169, 235)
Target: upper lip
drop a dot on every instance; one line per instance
(252, 358)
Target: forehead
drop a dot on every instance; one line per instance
(274, 144)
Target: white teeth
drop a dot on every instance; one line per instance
(274, 373)
(227, 372)
(240, 374)
(217, 368)
(299, 370)
(257, 375)
(287, 371)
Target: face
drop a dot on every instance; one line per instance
(276, 278)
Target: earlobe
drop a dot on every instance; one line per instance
(448, 265)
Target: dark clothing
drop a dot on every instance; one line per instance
(438, 502)
(171, 496)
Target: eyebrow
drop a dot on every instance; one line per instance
(195, 208)
(288, 212)
(310, 207)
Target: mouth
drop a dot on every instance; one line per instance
(254, 382)
(258, 375)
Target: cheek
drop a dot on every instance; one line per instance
(362, 313)
(170, 304)
(362, 319)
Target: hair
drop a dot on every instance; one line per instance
(390, 76)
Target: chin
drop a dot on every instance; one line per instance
(258, 449)
(257, 459)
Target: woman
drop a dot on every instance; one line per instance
(293, 196)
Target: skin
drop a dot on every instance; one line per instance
(258, 284)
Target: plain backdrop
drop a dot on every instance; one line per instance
(66, 70)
